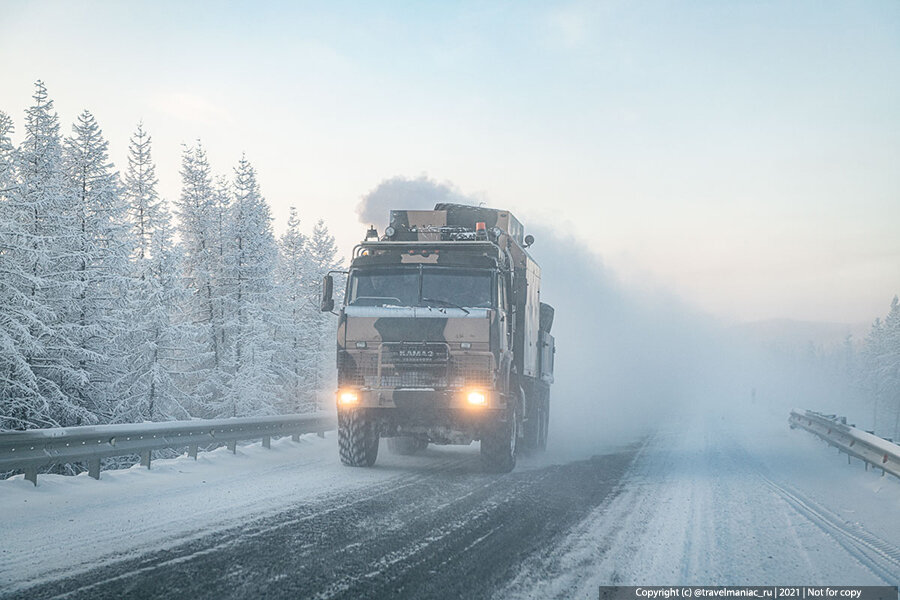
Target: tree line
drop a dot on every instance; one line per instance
(110, 312)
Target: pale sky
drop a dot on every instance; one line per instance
(743, 155)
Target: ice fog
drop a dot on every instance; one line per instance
(625, 359)
(628, 359)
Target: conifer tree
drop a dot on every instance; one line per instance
(156, 341)
(18, 386)
(95, 317)
(140, 190)
(200, 239)
(36, 234)
(889, 366)
(249, 261)
(323, 257)
(295, 338)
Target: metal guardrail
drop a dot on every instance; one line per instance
(867, 447)
(28, 451)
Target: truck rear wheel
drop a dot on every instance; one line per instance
(544, 431)
(357, 438)
(538, 423)
(499, 444)
(406, 445)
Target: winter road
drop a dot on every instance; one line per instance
(701, 501)
(442, 531)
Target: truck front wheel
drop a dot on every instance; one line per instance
(499, 444)
(357, 438)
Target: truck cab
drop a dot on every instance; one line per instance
(439, 339)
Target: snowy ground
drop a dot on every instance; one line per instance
(69, 524)
(711, 498)
(725, 499)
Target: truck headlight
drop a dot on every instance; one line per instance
(477, 398)
(348, 398)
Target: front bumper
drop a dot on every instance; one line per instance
(414, 399)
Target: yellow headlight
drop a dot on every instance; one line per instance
(477, 398)
(348, 397)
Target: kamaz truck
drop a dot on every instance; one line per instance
(442, 338)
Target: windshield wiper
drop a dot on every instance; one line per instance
(445, 303)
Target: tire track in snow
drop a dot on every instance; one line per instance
(879, 555)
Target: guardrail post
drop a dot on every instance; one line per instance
(321, 434)
(145, 458)
(295, 437)
(267, 442)
(192, 451)
(232, 445)
(94, 468)
(31, 475)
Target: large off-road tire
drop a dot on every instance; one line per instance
(538, 423)
(406, 445)
(499, 445)
(357, 438)
(544, 420)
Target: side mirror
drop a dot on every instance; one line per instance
(327, 304)
(529, 240)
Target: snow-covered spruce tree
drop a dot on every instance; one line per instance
(295, 338)
(140, 191)
(323, 256)
(250, 307)
(879, 372)
(869, 378)
(199, 214)
(18, 385)
(7, 157)
(95, 318)
(889, 367)
(222, 193)
(36, 236)
(155, 342)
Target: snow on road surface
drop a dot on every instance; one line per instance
(432, 525)
(710, 498)
(725, 499)
(70, 524)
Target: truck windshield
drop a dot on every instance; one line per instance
(462, 288)
(380, 287)
(426, 286)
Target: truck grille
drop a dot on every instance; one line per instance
(388, 370)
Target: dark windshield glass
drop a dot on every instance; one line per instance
(439, 287)
(379, 287)
(462, 288)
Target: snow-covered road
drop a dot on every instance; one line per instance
(710, 498)
(725, 499)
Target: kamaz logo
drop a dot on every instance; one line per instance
(418, 354)
(415, 353)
